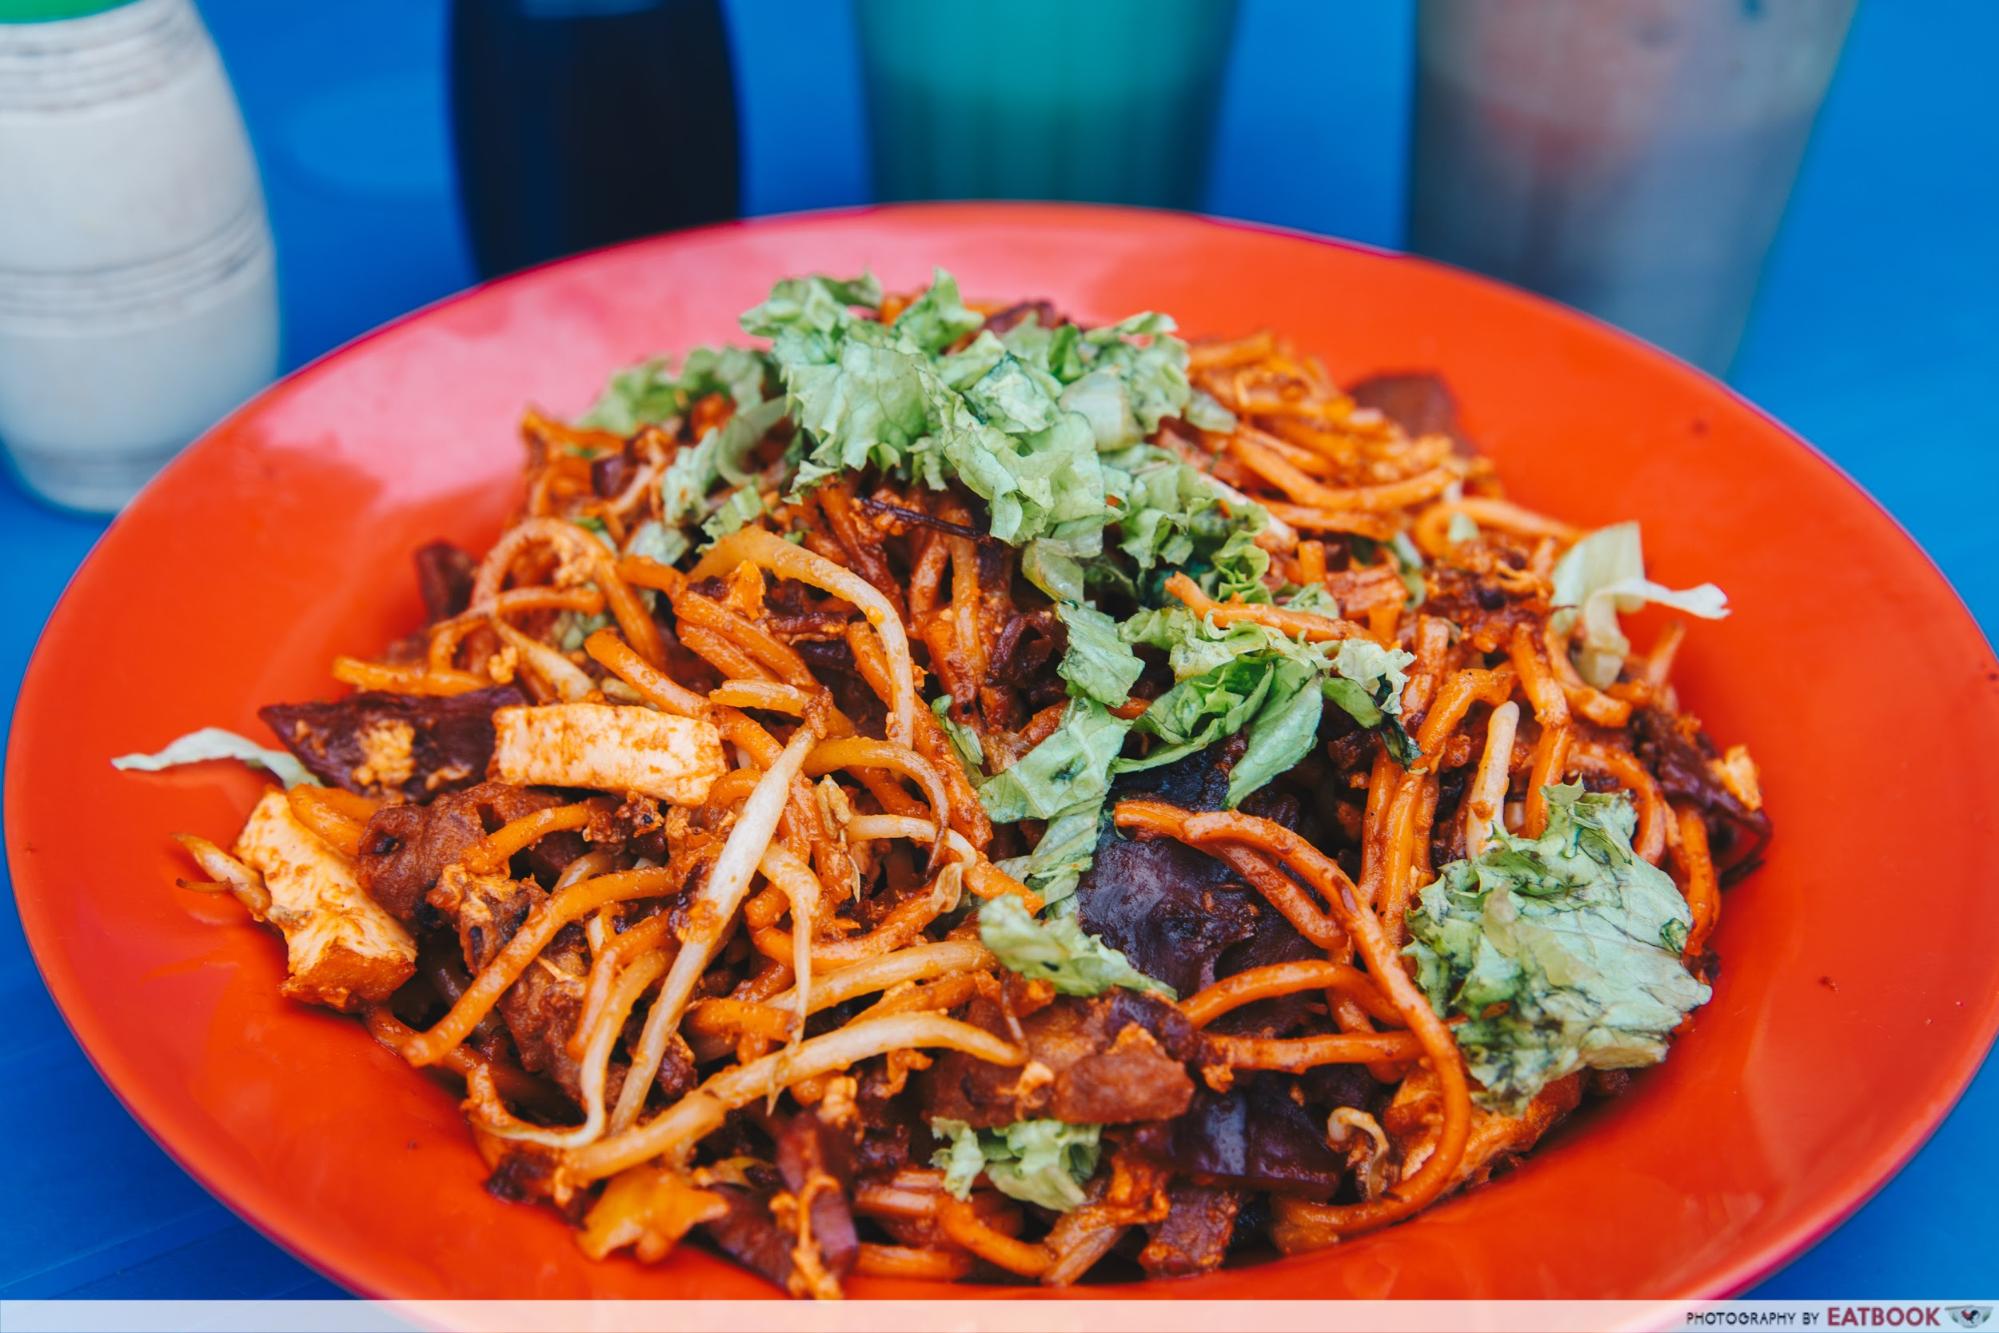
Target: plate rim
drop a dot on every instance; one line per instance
(1812, 1225)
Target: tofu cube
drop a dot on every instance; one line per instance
(342, 949)
(610, 748)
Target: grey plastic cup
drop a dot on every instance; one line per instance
(1632, 158)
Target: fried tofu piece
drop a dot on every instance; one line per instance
(610, 748)
(342, 949)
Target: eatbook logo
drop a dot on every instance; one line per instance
(1969, 1316)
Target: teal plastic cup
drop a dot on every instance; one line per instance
(1111, 101)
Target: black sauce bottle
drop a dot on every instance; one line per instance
(577, 123)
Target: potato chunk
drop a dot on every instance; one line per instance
(342, 949)
(610, 748)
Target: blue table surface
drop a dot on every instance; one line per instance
(1872, 338)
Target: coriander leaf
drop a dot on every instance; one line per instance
(1042, 1162)
(1057, 950)
(1097, 664)
(1603, 574)
(216, 743)
(1575, 935)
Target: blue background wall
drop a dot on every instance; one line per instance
(1873, 338)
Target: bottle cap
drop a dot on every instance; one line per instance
(48, 11)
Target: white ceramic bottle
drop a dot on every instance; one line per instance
(138, 296)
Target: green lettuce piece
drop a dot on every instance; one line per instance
(654, 391)
(867, 396)
(572, 628)
(1169, 516)
(1154, 371)
(1604, 574)
(1068, 769)
(937, 318)
(997, 416)
(1250, 678)
(720, 455)
(1097, 664)
(1409, 564)
(1053, 570)
(1236, 568)
(1573, 933)
(741, 506)
(1283, 729)
(965, 743)
(1369, 680)
(1212, 706)
(1058, 350)
(1042, 1162)
(1056, 949)
(654, 540)
(1101, 399)
(1204, 413)
(1067, 848)
(216, 743)
(814, 304)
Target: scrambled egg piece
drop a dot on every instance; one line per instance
(388, 754)
(610, 748)
(1414, 1119)
(342, 949)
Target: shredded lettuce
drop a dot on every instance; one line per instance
(808, 305)
(1204, 413)
(1056, 949)
(1250, 678)
(1603, 574)
(1053, 570)
(742, 505)
(1097, 664)
(1067, 848)
(216, 743)
(653, 540)
(653, 391)
(1561, 952)
(1169, 516)
(1070, 768)
(720, 456)
(1042, 1162)
(965, 743)
(1017, 420)
(937, 318)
